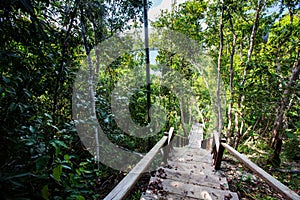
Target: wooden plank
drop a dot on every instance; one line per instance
(191, 155)
(197, 172)
(196, 136)
(192, 160)
(187, 149)
(147, 196)
(197, 168)
(127, 183)
(166, 186)
(281, 188)
(213, 180)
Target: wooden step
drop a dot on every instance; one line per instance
(189, 175)
(190, 149)
(191, 155)
(213, 181)
(167, 197)
(165, 189)
(193, 167)
(196, 136)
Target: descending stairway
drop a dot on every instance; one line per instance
(189, 174)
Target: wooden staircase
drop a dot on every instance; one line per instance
(189, 174)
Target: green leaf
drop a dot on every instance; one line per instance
(31, 129)
(49, 116)
(78, 171)
(16, 183)
(66, 167)
(291, 135)
(80, 197)
(45, 192)
(57, 144)
(61, 143)
(67, 157)
(6, 79)
(20, 175)
(57, 171)
(55, 127)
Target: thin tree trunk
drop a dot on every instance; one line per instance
(252, 39)
(254, 29)
(241, 47)
(230, 114)
(219, 107)
(90, 83)
(241, 97)
(238, 135)
(283, 103)
(236, 122)
(182, 119)
(62, 63)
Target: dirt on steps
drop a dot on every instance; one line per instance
(188, 175)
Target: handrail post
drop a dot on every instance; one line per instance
(167, 149)
(215, 145)
(219, 155)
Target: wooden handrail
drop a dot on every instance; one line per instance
(281, 188)
(128, 182)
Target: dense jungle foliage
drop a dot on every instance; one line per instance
(255, 48)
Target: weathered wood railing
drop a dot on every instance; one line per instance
(219, 146)
(128, 182)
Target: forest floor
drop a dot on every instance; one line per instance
(248, 185)
(240, 180)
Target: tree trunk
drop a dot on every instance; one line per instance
(275, 158)
(238, 136)
(241, 97)
(91, 84)
(283, 103)
(182, 118)
(241, 47)
(230, 114)
(218, 98)
(254, 29)
(62, 63)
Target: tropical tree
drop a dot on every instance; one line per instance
(42, 45)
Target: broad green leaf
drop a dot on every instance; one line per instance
(67, 157)
(79, 197)
(45, 192)
(291, 135)
(57, 171)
